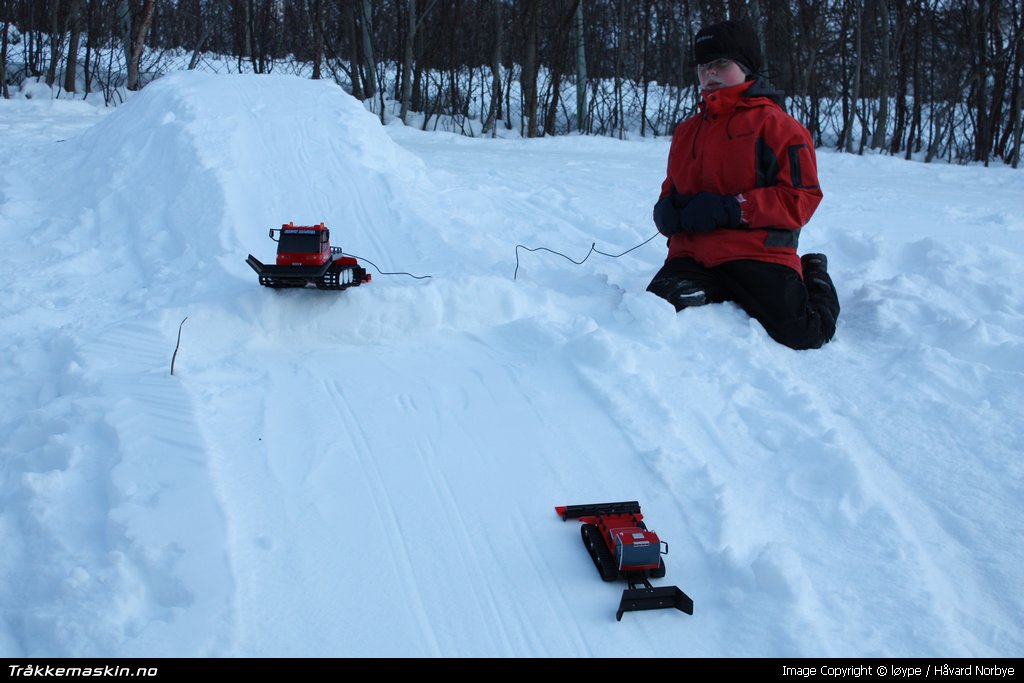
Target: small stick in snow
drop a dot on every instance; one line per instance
(177, 345)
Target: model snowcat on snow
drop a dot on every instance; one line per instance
(305, 257)
(623, 547)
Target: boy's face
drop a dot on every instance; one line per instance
(720, 73)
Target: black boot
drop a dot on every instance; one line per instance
(821, 291)
(679, 292)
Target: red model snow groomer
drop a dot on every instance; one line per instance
(305, 257)
(622, 546)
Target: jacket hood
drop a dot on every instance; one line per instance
(762, 88)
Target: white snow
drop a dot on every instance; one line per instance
(374, 472)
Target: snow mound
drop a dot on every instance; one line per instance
(233, 157)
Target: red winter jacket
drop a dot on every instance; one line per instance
(743, 143)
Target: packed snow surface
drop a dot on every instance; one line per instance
(374, 472)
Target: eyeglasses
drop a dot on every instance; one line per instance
(716, 65)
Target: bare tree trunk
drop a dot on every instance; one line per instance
(56, 41)
(124, 28)
(1018, 92)
(1001, 66)
(528, 79)
(1014, 66)
(810, 21)
(882, 122)
(1015, 157)
(981, 80)
(75, 24)
(369, 63)
(4, 92)
(455, 97)
(619, 50)
(581, 70)
(246, 42)
(243, 34)
(256, 55)
(197, 53)
(900, 91)
(31, 58)
(138, 43)
(90, 32)
(756, 17)
(318, 38)
(421, 57)
(407, 55)
(944, 113)
(858, 34)
(645, 17)
(914, 128)
(551, 116)
(349, 19)
(413, 26)
(560, 29)
(495, 109)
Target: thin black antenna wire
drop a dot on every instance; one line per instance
(360, 258)
(593, 249)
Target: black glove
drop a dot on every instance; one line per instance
(706, 211)
(667, 213)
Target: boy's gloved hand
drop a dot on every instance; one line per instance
(706, 211)
(667, 214)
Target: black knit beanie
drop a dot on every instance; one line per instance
(735, 40)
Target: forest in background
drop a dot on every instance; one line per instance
(924, 79)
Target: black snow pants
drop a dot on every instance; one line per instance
(794, 314)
